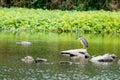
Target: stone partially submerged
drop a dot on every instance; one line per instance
(118, 62)
(106, 59)
(76, 53)
(65, 62)
(28, 59)
(24, 43)
(40, 60)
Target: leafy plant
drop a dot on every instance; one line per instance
(17, 19)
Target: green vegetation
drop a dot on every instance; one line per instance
(17, 19)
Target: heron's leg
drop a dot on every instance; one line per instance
(83, 47)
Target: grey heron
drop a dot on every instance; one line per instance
(83, 42)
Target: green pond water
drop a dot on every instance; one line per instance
(48, 45)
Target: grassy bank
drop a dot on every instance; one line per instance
(17, 19)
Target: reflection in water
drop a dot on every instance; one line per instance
(48, 45)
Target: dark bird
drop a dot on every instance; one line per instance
(84, 42)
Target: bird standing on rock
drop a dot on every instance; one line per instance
(78, 53)
(83, 42)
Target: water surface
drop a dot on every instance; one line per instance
(48, 45)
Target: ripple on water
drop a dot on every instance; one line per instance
(54, 73)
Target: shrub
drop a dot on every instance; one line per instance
(17, 19)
